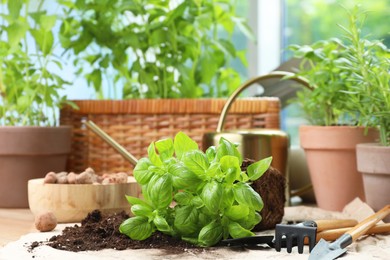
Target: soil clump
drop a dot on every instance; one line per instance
(98, 231)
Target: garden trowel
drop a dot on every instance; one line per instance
(325, 250)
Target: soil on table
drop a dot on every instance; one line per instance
(98, 231)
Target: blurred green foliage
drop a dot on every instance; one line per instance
(308, 21)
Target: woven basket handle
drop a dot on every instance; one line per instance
(274, 74)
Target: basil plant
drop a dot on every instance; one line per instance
(196, 196)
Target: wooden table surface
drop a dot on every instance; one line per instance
(15, 223)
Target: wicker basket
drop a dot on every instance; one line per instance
(136, 123)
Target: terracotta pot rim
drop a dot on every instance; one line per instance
(335, 137)
(334, 126)
(35, 141)
(373, 145)
(372, 158)
(34, 127)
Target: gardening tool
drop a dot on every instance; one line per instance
(298, 233)
(257, 144)
(286, 239)
(333, 234)
(328, 235)
(325, 250)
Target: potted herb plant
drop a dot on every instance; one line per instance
(155, 49)
(173, 60)
(370, 94)
(330, 143)
(30, 142)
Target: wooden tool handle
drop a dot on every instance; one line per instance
(365, 225)
(335, 223)
(333, 234)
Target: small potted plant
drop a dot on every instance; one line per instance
(370, 94)
(30, 142)
(330, 143)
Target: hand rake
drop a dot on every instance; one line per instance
(297, 234)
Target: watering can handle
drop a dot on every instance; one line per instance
(274, 74)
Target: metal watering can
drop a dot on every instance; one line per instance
(257, 144)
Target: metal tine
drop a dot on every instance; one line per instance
(278, 242)
(289, 241)
(301, 243)
(312, 242)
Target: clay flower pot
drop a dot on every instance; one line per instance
(331, 159)
(373, 161)
(28, 153)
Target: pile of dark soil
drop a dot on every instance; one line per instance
(98, 231)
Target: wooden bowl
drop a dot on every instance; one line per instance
(72, 202)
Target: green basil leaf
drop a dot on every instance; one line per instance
(141, 172)
(144, 191)
(135, 200)
(237, 212)
(210, 234)
(229, 161)
(228, 197)
(183, 178)
(191, 240)
(165, 148)
(225, 225)
(211, 152)
(162, 225)
(251, 220)
(153, 156)
(227, 148)
(214, 170)
(230, 165)
(212, 196)
(196, 161)
(160, 190)
(183, 144)
(245, 195)
(137, 228)
(237, 231)
(257, 169)
(183, 198)
(186, 220)
(231, 176)
(142, 210)
(243, 177)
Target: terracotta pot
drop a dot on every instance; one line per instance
(28, 153)
(373, 161)
(331, 158)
